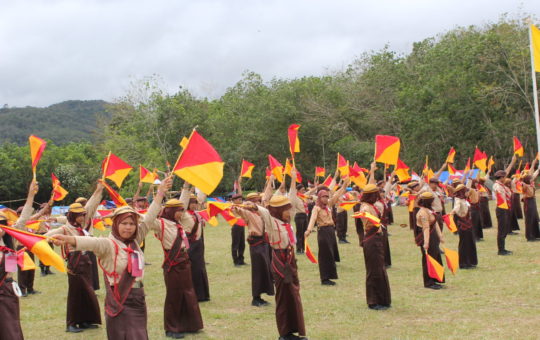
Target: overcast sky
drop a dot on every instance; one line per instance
(53, 51)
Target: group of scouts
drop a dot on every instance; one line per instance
(268, 218)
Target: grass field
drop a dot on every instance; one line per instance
(498, 300)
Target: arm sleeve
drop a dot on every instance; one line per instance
(101, 246)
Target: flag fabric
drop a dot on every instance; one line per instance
(449, 221)
(247, 168)
(358, 178)
(117, 199)
(145, 176)
(412, 199)
(267, 173)
(451, 155)
(37, 146)
(402, 171)
(518, 148)
(97, 223)
(342, 165)
(24, 260)
(309, 253)
(200, 164)
(231, 219)
(387, 149)
(115, 169)
(38, 245)
(435, 269)
(328, 181)
(535, 43)
(491, 162)
(214, 207)
(294, 142)
(468, 166)
(183, 143)
(34, 225)
(365, 215)
(501, 202)
(10, 214)
(480, 159)
(211, 220)
(275, 168)
(452, 259)
(348, 205)
(320, 172)
(58, 193)
(287, 170)
(451, 169)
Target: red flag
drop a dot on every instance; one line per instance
(37, 146)
(449, 221)
(480, 159)
(294, 142)
(276, 168)
(468, 166)
(38, 245)
(518, 148)
(58, 193)
(328, 180)
(435, 269)
(24, 260)
(115, 169)
(387, 149)
(320, 172)
(200, 164)
(451, 155)
(309, 253)
(117, 199)
(247, 168)
(146, 176)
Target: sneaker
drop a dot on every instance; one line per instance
(328, 283)
(174, 335)
(504, 252)
(434, 286)
(73, 329)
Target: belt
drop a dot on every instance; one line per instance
(137, 284)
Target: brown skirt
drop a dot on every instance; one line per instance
(434, 251)
(82, 303)
(326, 238)
(261, 276)
(377, 284)
(10, 323)
(485, 214)
(95, 271)
(130, 324)
(182, 313)
(289, 312)
(198, 270)
(386, 247)
(531, 219)
(516, 206)
(467, 244)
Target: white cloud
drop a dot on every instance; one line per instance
(58, 50)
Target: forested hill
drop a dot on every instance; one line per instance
(69, 121)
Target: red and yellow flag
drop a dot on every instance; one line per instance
(38, 245)
(451, 155)
(412, 199)
(402, 171)
(275, 168)
(117, 199)
(58, 193)
(231, 219)
(449, 221)
(328, 181)
(452, 259)
(451, 169)
(480, 159)
(294, 142)
(215, 207)
(115, 169)
(320, 172)
(24, 260)
(468, 166)
(518, 148)
(34, 224)
(387, 149)
(435, 269)
(342, 165)
(11, 214)
(309, 253)
(367, 216)
(200, 164)
(535, 43)
(491, 162)
(348, 205)
(247, 168)
(97, 223)
(37, 146)
(211, 220)
(145, 176)
(501, 202)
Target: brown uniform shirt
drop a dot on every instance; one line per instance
(254, 221)
(424, 218)
(368, 208)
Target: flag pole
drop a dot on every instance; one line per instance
(535, 90)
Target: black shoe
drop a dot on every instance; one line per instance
(34, 292)
(513, 233)
(258, 302)
(174, 335)
(479, 240)
(24, 294)
(237, 265)
(86, 325)
(242, 263)
(73, 329)
(48, 272)
(434, 286)
(147, 264)
(377, 307)
(328, 283)
(299, 251)
(504, 252)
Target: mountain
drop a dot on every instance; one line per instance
(69, 121)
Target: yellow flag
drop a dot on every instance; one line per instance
(535, 42)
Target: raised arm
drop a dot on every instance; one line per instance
(335, 197)
(150, 220)
(267, 193)
(239, 181)
(186, 193)
(511, 165)
(372, 173)
(92, 204)
(438, 173)
(27, 209)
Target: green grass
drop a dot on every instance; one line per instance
(497, 300)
